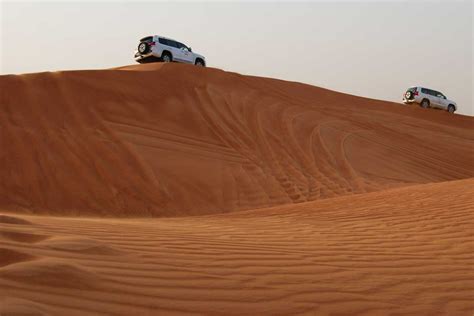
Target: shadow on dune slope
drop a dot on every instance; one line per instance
(171, 140)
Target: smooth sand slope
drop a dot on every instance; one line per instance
(87, 157)
(168, 140)
(405, 251)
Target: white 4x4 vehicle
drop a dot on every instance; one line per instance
(159, 48)
(429, 98)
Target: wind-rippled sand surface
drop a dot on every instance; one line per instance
(171, 189)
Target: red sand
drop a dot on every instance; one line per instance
(81, 149)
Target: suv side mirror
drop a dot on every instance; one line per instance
(190, 49)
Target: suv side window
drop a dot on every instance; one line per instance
(181, 45)
(163, 41)
(425, 91)
(173, 43)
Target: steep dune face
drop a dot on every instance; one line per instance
(167, 140)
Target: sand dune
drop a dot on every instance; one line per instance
(405, 251)
(305, 201)
(169, 140)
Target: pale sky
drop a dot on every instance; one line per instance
(370, 48)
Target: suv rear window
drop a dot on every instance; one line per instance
(413, 89)
(147, 39)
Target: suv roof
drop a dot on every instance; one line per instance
(423, 87)
(152, 36)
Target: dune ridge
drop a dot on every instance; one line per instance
(176, 140)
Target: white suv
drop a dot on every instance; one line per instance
(159, 48)
(429, 98)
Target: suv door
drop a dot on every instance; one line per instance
(443, 102)
(166, 43)
(175, 51)
(437, 99)
(427, 94)
(186, 54)
(431, 95)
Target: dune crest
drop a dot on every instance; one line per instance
(175, 140)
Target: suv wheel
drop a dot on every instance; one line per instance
(425, 103)
(408, 95)
(143, 48)
(451, 108)
(166, 58)
(199, 63)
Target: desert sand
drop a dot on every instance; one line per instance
(171, 189)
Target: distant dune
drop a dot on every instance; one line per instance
(305, 201)
(171, 140)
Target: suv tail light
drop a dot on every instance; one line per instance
(416, 92)
(152, 43)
